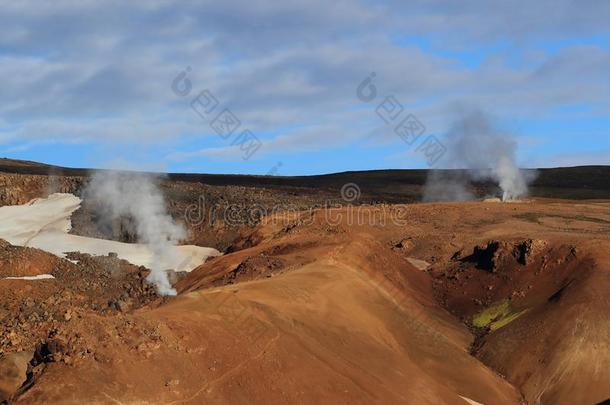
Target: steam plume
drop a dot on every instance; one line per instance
(137, 196)
(484, 152)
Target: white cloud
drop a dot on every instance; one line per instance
(101, 70)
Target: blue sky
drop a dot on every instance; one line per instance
(89, 83)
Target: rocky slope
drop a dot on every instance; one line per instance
(324, 308)
(452, 303)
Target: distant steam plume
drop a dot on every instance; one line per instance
(137, 197)
(484, 152)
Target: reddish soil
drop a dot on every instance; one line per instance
(320, 306)
(316, 308)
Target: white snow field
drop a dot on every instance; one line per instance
(44, 223)
(30, 278)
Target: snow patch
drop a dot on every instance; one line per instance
(418, 264)
(44, 223)
(470, 401)
(38, 277)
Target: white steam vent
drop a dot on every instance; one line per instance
(483, 152)
(137, 196)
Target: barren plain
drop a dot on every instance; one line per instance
(384, 302)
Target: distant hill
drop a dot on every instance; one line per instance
(582, 182)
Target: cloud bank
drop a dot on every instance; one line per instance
(100, 71)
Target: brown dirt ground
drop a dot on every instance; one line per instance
(318, 308)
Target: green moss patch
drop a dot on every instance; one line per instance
(496, 316)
